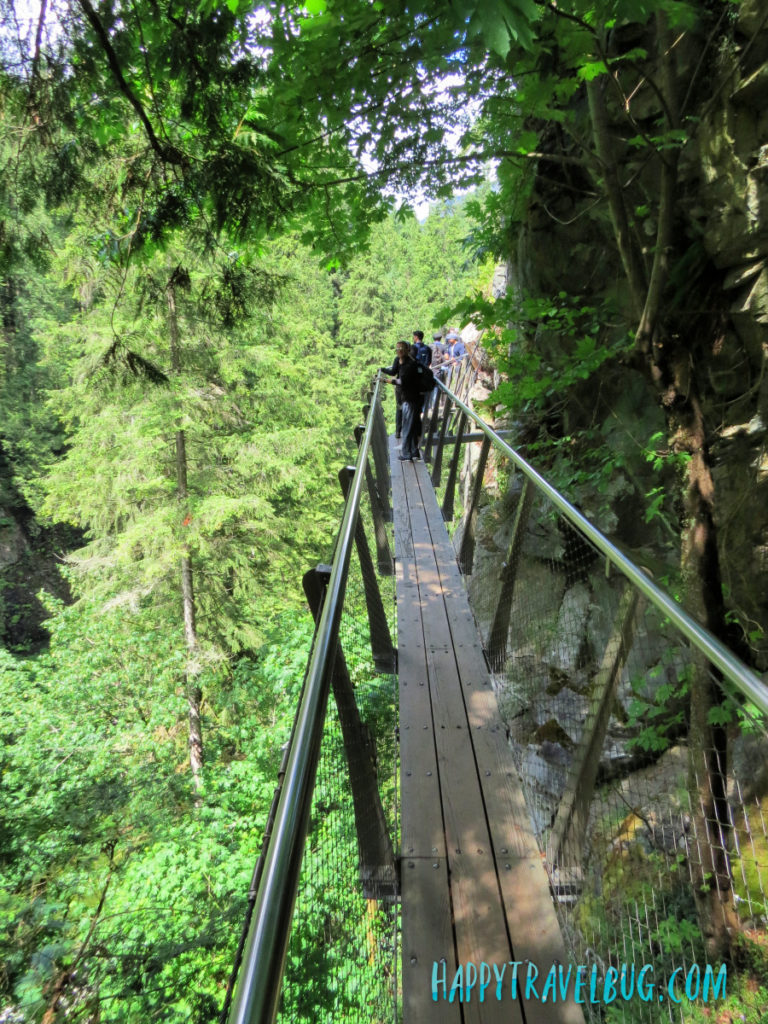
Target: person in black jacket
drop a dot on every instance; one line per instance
(410, 381)
(402, 353)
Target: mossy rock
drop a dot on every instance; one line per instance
(750, 863)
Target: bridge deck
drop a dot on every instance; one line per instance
(474, 888)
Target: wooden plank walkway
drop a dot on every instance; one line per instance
(474, 888)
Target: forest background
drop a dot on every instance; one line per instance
(201, 266)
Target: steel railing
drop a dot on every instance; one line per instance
(747, 681)
(257, 991)
(639, 737)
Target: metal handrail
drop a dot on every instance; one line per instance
(258, 985)
(732, 667)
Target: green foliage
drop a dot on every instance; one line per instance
(401, 283)
(106, 863)
(676, 935)
(634, 877)
(117, 885)
(552, 345)
(747, 988)
(658, 711)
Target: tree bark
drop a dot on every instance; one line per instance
(631, 260)
(647, 328)
(669, 362)
(194, 693)
(707, 742)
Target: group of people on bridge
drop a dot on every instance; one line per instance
(413, 372)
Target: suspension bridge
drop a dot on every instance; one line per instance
(462, 810)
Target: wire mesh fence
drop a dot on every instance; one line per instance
(342, 957)
(645, 776)
(343, 954)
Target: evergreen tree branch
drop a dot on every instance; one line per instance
(148, 71)
(168, 154)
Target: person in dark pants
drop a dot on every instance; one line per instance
(402, 353)
(409, 381)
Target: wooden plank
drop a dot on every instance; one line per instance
(427, 939)
(479, 921)
(524, 883)
(427, 923)
(421, 821)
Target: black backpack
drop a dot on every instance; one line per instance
(423, 354)
(426, 378)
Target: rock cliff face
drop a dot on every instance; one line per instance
(564, 612)
(30, 557)
(716, 295)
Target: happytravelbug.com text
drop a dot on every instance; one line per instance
(582, 983)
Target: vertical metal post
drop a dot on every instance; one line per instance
(438, 466)
(461, 377)
(383, 553)
(378, 872)
(450, 487)
(467, 549)
(497, 639)
(456, 378)
(384, 655)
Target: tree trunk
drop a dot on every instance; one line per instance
(646, 335)
(631, 260)
(707, 742)
(193, 692)
(669, 362)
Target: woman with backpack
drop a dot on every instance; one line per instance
(408, 382)
(402, 352)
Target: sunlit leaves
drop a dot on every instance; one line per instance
(593, 69)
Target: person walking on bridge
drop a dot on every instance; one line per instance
(401, 353)
(408, 381)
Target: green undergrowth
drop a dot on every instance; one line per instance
(122, 896)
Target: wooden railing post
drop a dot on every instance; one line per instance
(450, 487)
(380, 448)
(471, 379)
(384, 654)
(438, 466)
(457, 375)
(432, 424)
(497, 638)
(383, 553)
(467, 549)
(377, 869)
(566, 840)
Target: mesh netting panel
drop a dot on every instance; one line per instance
(646, 783)
(342, 959)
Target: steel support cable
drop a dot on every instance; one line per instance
(748, 682)
(258, 986)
